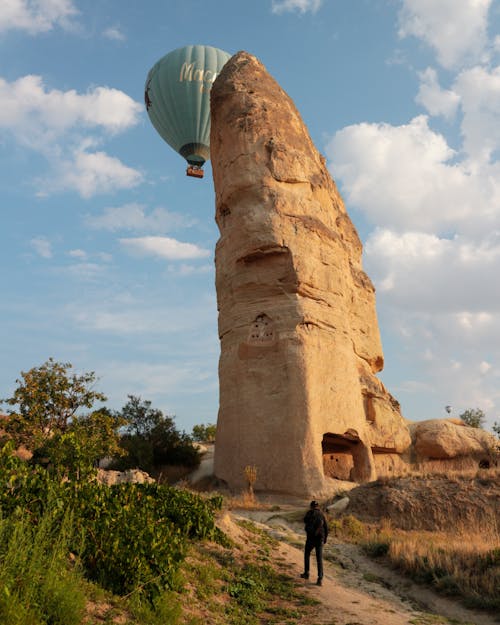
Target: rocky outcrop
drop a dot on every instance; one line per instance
(451, 444)
(300, 343)
(131, 476)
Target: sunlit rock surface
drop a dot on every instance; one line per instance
(300, 344)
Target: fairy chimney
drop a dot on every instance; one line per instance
(300, 344)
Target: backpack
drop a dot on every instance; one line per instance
(314, 523)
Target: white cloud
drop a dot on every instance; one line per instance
(84, 271)
(417, 271)
(53, 122)
(164, 247)
(114, 33)
(439, 294)
(33, 112)
(135, 217)
(161, 383)
(119, 321)
(442, 302)
(408, 177)
(484, 367)
(400, 175)
(42, 247)
(36, 16)
(437, 101)
(415, 386)
(301, 6)
(81, 254)
(455, 29)
(434, 254)
(188, 270)
(479, 91)
(126, 314)
(460, 373)
(91, 173)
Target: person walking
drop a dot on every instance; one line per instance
(316, 534)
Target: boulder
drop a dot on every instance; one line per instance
(440, 439)
(131, 476)
(300, 343)
(339, 506)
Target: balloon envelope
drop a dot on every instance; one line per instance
(177, 97)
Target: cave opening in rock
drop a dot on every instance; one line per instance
(339, 455)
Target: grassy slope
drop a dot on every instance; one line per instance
(242, 583)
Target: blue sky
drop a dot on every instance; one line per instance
(106, 247)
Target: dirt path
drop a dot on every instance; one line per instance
(358, 591)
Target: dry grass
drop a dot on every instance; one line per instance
(463, 563)
(246, 501)
(440, 530)
(461, 470)
(250, 472)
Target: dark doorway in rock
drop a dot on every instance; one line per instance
(339, 453)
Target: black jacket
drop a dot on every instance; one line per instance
(315, 524)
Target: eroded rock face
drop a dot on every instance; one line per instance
(300, 344)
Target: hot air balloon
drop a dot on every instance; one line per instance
(177, 97)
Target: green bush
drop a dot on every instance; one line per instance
(137, 533)
(39, 583)
(129, 537)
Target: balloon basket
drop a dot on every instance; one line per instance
(194, 171)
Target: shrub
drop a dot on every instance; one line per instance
(136, 534)
(39, 584)
(152, 440)
(473, 417)
(204, 433)
(376, 548)
(129, 537)
(348, 527)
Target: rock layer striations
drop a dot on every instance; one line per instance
(300, 344)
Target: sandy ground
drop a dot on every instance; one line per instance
(356, 590)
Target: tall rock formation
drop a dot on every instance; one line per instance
(300, 343)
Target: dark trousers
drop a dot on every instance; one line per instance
(316, 543)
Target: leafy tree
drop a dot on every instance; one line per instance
(151, 439)
(473, 417)
(204, 433)
(76, 451)
(46, 417)
(46, 401)
(140, 417)
(496, 429)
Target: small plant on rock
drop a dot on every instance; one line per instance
(251, 477)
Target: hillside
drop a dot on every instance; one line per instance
(431, 503)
